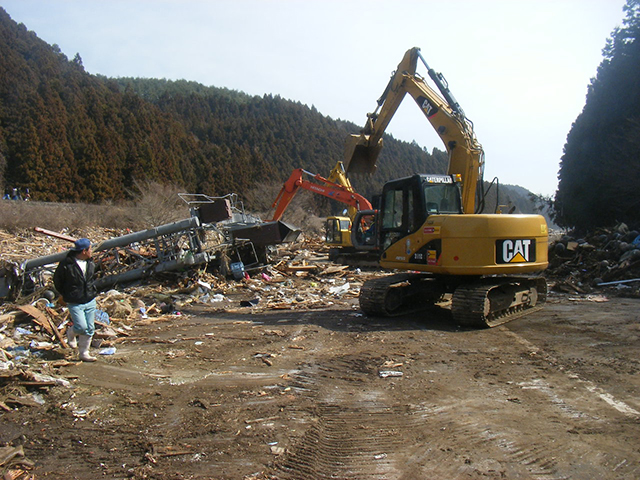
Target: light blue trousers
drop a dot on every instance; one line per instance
(83, 316)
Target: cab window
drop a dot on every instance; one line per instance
(441, 198)
(332, 234)
(393, 209)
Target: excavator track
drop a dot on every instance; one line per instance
(484, 303)
(494, 301)
(398, 294)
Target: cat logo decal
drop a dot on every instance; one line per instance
(515, 251)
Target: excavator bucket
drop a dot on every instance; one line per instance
(359, 156)
(268, 233)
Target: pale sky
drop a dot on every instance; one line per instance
(519, 69)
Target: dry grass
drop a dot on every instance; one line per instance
(16, 216)
(153, 204)
(156, 204)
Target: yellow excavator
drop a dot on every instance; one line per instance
(430, 226)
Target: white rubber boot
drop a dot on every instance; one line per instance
(84, 343)
(72, 338)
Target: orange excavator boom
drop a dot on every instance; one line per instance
(326, 188)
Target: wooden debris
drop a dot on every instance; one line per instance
(9, 317)
(38, 316)
(21, 401)
(333, 269)
(61, 236)
(301, 268)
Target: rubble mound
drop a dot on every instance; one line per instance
(606, 261)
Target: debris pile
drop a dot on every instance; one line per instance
(219, 233)
(607, 260)
(275, 285)
(14, 464)
(33, 328)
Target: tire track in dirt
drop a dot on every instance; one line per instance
(490, 450)
(362, 428)
(355, 428)
(588, 385)
(363, 435)
(578, 434)
(488, 404)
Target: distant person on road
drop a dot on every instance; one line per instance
(74, 280)
(7, 193)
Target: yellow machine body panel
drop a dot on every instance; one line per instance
(484, 244)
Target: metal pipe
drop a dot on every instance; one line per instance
(168, 229)
(122, 241)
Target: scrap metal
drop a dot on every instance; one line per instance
(239, 237)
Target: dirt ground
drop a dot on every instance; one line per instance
(330, 393)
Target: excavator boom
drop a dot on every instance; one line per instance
(329, 189)
(466, 157)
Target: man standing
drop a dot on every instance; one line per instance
(74, 280)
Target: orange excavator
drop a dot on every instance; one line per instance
(337, 187)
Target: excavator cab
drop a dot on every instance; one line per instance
(407, 202)
(338, 231)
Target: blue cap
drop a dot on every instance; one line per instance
(81, 244)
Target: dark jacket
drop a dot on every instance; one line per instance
(71, 284)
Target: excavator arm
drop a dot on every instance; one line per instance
(339, 175)
(327, 188)
(466, 157)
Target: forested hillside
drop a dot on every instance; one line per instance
(71, 136)
(600, 169)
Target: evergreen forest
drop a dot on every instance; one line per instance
(599, 177)
(70, 136)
